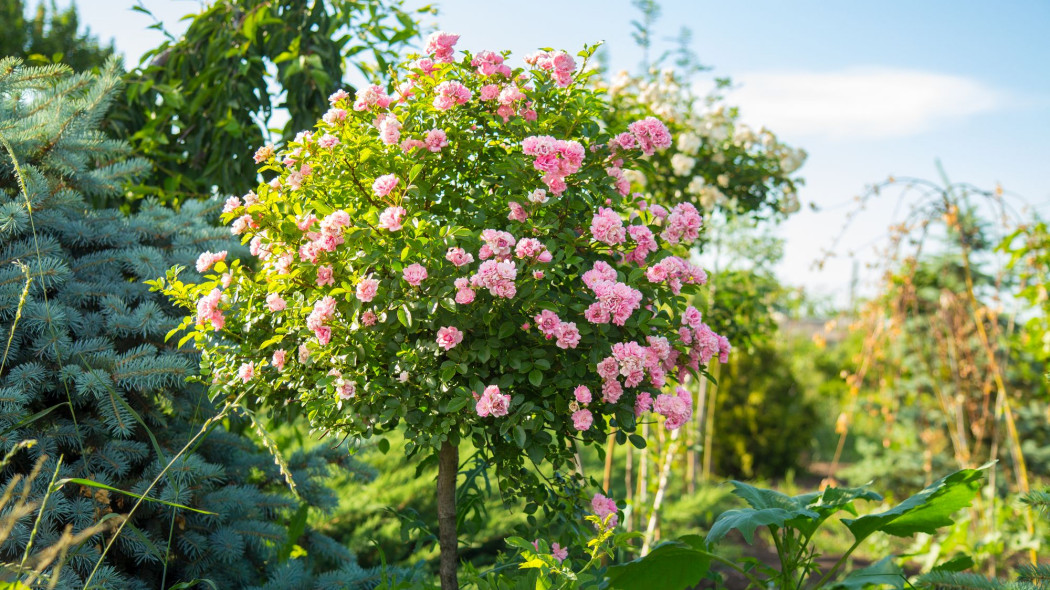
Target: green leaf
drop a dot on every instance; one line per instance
(926, 511)
(881, 574)
(670, 566)
(959, 563)
(457, 403)
(404, 316)
(768, 507)
(535, 377)
(519, 436)
(828, 502)
(383, 445)
(296, 528)
(746, 520)
(506, 329)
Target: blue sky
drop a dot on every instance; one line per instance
(868, 89)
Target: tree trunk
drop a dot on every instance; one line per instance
(448, 466)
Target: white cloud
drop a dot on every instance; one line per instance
(860, 102)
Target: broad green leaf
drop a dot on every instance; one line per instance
(926, 511)
(884, 573)
(670, 566)
(827, 503)
(746, 520)
(759, 498)
(959, 563)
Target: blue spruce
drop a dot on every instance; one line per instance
(87, 372)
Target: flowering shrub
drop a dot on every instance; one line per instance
(716, 162)
(460, 258)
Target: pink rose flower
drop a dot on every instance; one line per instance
(414, 274)
(391, 217)
(384, 184)
(492, 403)
(275, 303)
(366, 289)
(279, 359)
(324, 276)
(603, 507)
(246, 372)
(582, 420)
(448, 337)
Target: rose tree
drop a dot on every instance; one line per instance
(459, 260)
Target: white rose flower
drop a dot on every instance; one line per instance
(689, 143)
(682, 164)
(696, 185)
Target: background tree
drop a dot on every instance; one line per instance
(51, 35)
(201, 104)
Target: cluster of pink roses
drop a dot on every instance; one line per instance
(496, 243)
(208, 310)
(648, 135)
(389, 128)
(607, 227)
(327, 239)
(366, 98)
(703, 342)
(677, 408)
(559, 63)
(322, 312)
(207, 259)
(497, 276)
(683, 224)
(644, 244)
(604, 507)
(489, 63)
(451, 93)
(551, 326)
(556, 158)
(675, 272)
(492, 403)
(441, 45)
(616, 300)
(510, 99)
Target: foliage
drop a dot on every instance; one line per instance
(766, 420)
(717, 162)
(940, 377)
(361, 281)
(52, 35)
(792, 522)
(1035, 576)
(86, 371)
(201, 103)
